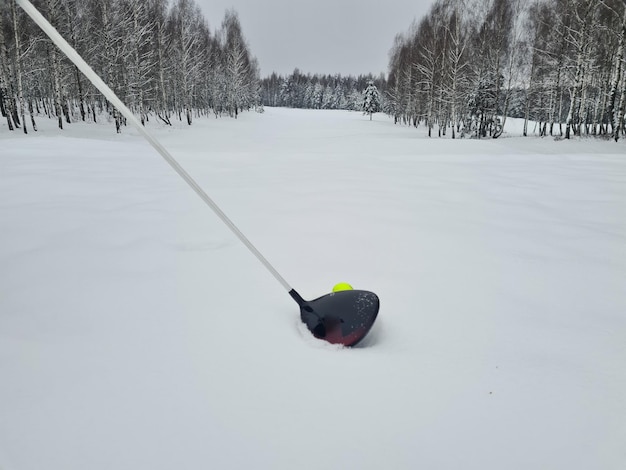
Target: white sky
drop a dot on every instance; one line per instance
(320, 36)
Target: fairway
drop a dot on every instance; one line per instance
(136, 332)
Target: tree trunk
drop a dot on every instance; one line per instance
(528, 97)
(621, 119)
(81, 95)
(56, 84)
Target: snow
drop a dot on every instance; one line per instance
(136, 332)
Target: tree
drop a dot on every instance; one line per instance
(184, 26)
(161, 45)
(371, 100)
(617, 74)
(239, 74)
(55, 65)
(7, 100)
(18, 68)
(579, 34)
(457, 60)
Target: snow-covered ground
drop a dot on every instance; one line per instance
(136, 332)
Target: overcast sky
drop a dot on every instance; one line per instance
(320, 36)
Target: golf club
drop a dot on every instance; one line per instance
(343, 317)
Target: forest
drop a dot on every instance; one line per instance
(461, 70)
(161, 59)
(300, 90)
(470, 64)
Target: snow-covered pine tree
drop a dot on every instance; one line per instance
(371, 100)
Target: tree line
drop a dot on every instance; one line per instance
(300, 90)
(160, 58)
(469, 64)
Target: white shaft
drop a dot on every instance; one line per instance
(71, 54)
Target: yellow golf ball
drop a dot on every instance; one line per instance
(342, 286)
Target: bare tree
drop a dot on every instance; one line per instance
(579, 36)
(17, 47)
(52, 9)
(184, 25)
(618, 69)
(7, 99)
(456, 81)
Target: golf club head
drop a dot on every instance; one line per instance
(343, 317)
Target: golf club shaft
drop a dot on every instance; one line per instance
(71, 54)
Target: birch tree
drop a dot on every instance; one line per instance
(140, 56)
(618, 69)
(578, 35)
(17, 47)
(161, 43)
(185, 17)
(52, 8)
(7, 100)
(237, 64)
(457, 61)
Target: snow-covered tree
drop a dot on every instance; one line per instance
(371, 100)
